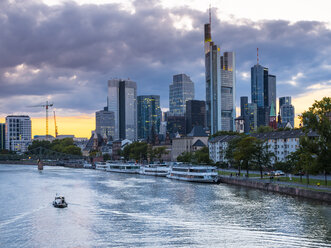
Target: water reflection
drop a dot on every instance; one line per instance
(122, 210)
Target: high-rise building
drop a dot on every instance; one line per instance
(2, 136)
(149, 116)
(284, 100)
(195, 114)
(243, 102)
(176, 124)
(122, 100)
(263, 90)
(250, 117)
(18, 132)
(180, 91)
(220, 86)
(286, 110)
(105, 123)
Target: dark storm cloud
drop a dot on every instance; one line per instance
(69, 51)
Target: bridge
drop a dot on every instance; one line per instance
(45, 155)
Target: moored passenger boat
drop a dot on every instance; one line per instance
(193, 173)
(160, 170)
(101, 166)
(131, 168)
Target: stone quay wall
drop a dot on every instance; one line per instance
(273, 187)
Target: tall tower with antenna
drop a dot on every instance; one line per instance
(220, 85)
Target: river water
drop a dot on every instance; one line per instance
(122, 210)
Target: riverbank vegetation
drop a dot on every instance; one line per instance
(312, 157)
(65, 145)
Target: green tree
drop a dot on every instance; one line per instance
(159, 151)
(317, 118)
(244, 152)
(106, 156)
(39, 143)
(185, 157)
(72, 149)
(264, 129)
(136, 150)
(293, 159)
(262, 156)
(229, 156)
(202, 156)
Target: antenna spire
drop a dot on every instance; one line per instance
(257, 54)
(210, 14)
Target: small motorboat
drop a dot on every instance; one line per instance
(60, 202)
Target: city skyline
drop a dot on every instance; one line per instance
(55, 63)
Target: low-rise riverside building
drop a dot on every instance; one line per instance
(281, 143)
(218, 146)
(194, 141)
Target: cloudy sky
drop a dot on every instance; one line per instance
(65, 51)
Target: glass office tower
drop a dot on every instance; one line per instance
(220, 86)
(180, 91)
(286, 110)
(263, 92)
(105, 123)
(122, 100)
(149, 116)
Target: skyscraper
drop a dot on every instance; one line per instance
(286, 110)
(18, 132)
(105, 123)
(284, 100)
(263, 90)
(180, 91)
(122, 100)
(243, 102)
(176, 124)
(195, 114)
(250, 117)
(149, 116)
(2, 136)
(220, 86)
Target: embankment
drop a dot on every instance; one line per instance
(273, 187)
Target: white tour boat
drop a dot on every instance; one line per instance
(193, 173)
(160, 170)
(87, 165)
(123, 167)
(101, 166)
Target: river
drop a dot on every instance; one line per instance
(123, 210)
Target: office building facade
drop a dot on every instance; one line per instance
(105, 123)
(220, 86)
(18, 133)
(263, 93)
(287, 111)
(176, 125)
(122, 100)
(180, 91)
(243, 102)
(195, 114)
(250, 117)
(149, 116)
(2, 136)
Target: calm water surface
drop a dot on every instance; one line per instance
(121, 210)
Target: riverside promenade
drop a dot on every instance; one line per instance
(321, 193)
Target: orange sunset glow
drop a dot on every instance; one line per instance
(80, 126)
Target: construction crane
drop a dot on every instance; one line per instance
(56, 133)
(46, 106)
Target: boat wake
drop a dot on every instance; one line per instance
(20, 216)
